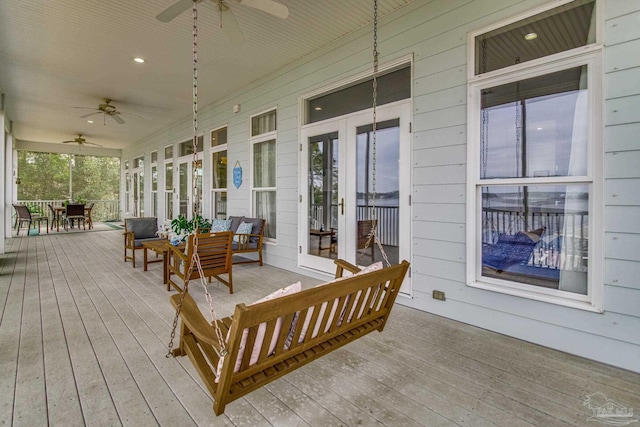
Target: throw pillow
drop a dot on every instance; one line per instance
(373, 267)
(255, 352)
(243, 228)
(220, 225)
(334, 309)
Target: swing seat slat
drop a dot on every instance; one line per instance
(343, 311)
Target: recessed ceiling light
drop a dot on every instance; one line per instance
(139, 60)
(318, 108)
(531, 36)
(89, 121)
(538, 128)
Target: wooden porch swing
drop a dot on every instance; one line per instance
(291, 327)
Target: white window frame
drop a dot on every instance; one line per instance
(591, 56)
(212, 150)
(168, 193)
(258, 139)
(154, 193)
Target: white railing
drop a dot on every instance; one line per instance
(387, 216)
(568, 229)
(103, 210)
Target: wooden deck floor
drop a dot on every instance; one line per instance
(83, 342)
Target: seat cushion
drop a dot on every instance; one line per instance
(143, 228)
(138, 242)
(251, 245)
(255, 351)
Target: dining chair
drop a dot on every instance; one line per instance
(24, 215)
(75, 212)
(88, 215)
(55, 218)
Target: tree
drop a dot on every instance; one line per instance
(45, 176)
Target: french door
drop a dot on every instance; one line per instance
(338, 210)
(137, 193)
(185, 187)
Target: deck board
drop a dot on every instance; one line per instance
(84, 338)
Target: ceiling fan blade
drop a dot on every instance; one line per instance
(117, 118)
(174, 10)
(268, 6)
(90, 114)
(91, 143)
(66, 142)
(231, 27)
(126, 113)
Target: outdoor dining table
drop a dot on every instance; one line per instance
(59, 210)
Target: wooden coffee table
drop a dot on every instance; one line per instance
(160, 247)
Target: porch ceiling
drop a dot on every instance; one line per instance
(55, 56)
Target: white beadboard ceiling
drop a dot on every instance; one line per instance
(59, 54)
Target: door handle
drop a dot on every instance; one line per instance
(341, 204)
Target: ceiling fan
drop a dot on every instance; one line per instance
(81, 141)
(107, 109)
(227, 19)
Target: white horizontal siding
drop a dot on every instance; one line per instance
(435, 33)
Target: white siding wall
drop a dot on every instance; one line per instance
(435, 33)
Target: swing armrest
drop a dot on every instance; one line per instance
(178, 252)
(193, 319)
(342, 265)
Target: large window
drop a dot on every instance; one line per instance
(219, 173)
(263, 183)
(534, 173)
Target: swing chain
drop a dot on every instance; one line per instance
(375, 98)
(195, 259)
(372, 233)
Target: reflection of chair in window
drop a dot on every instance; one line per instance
(365, 228)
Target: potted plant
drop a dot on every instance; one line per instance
(182, 227)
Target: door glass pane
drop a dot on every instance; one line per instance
(183, 187)
(168, 183)
(392, 86)
(383, 212)
(198, 197)
(135, 194)
(141, 192)
(323, 195)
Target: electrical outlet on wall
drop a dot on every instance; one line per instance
(439, 295)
